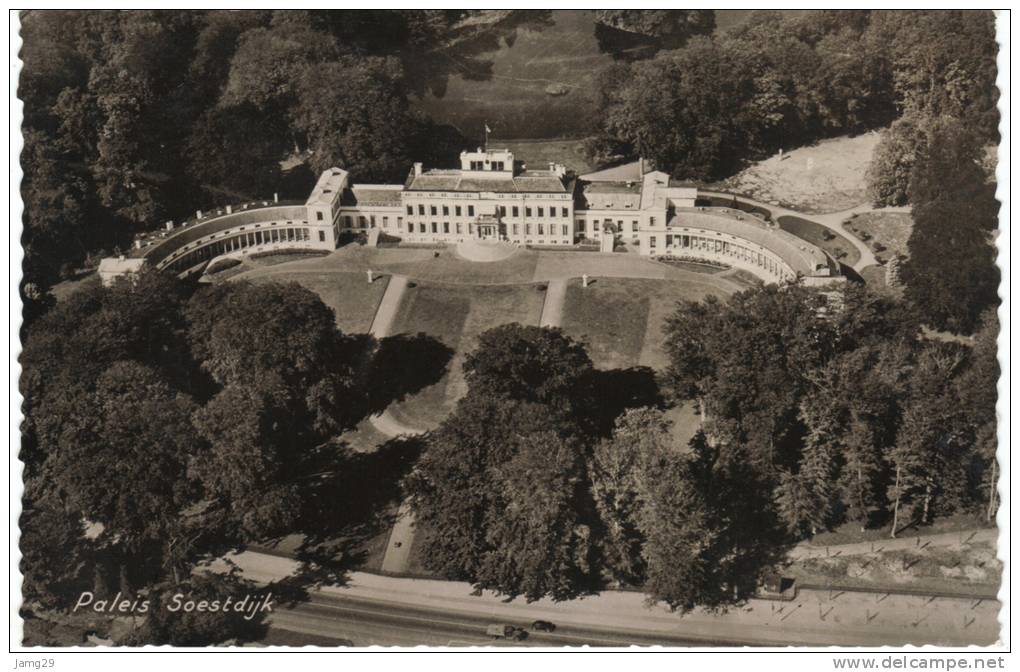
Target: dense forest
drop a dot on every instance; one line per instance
(778, 81)
(165, 425)
(136, 117)
(815, 415)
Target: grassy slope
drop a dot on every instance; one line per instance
(825, 177)
(349, 295)
(456, 315)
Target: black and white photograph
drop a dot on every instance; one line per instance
(495, 329)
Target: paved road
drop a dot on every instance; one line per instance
(552, 309)
(398, 549)
(833, 220)
(332, 620)
(819, 617)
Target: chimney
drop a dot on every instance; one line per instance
(138, 243)
(641, 166)
(230, 209)
(276, 197)
(170, 225)
(121, 257)
(198, 214)
(417, 168)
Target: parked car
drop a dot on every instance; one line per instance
(504, 631)
(543, 626)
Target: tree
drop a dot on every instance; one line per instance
(169, 623)
(617, 468)
(240, 331)
(683, 541)
(499, 499)
(934, 444)
(976, 390)
(354, 114)
(893, 162)
(528, 363)
(255, 455)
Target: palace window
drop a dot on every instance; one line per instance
(527, 229)
(566, 230)
(432, 210)
(385, 222)
(541, 229)
(458, 227)
(421, 227)
(515, 229)
(527, 212)
(516, 211)
(651, 241)
(446, 227)
(435, 228)
(410, 227)
(541, 212)
(471, 211)
(322, 236)
(410, 209)
(456, 210)
(318, 215)
(446, 210)
(502, 211)
(564, 212)
(421, 209)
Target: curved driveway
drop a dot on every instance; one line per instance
(832, 221)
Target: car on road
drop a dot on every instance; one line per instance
(543, 626)
(504, 631)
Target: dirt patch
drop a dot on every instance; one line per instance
(825, 177)
(972, 568)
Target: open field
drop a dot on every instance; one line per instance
(455, 315)
(621, 319)
(827, 239)
(890, 230)
(349, 295)
(824, 177)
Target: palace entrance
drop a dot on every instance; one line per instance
(488, 228)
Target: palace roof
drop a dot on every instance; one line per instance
(530, 182)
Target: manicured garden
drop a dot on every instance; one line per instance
(455, 315)
(349, 295)
(835, 244)
(886, 233)
(621, 319)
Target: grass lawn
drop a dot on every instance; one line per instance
(537, 154)
(621, 319)
(686, 423)
(349, 295)
(62, 290)
(885, 232)
(827, 239)
(456, 315)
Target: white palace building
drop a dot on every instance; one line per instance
(492, 198)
